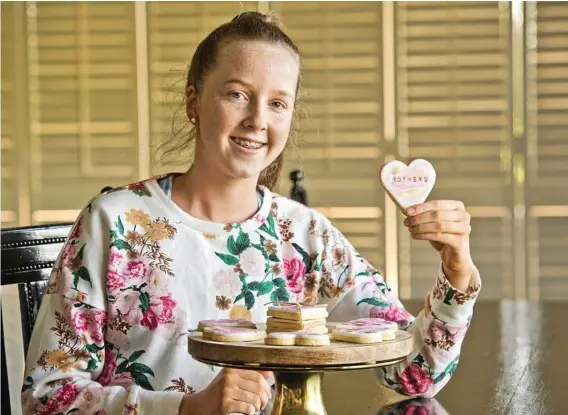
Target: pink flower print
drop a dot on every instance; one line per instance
(160, 311)
(101, 412)
(77, 230)
(295, 271)
(136, 270)
(415, 380)
(88, 398)
(115, 259)
(66, 395)
(115, 281)
(68, 255)
(122, 380)
(108, 369)
(50, 407)
(158, 283)
(150, 319)
(128, 303)
(80, 320)
(436, 330)
(393, 313)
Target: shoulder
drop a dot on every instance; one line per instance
(123, 198)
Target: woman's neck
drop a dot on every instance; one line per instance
(213, 198)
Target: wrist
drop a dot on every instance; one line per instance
(189, 405)
(458, 278)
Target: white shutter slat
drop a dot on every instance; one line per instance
(547, 162)
(340, 152)
(83, 95)
(453, 111)
(9, 140)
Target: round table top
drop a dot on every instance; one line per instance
(337, 356)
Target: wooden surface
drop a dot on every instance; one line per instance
(513, 362)
(337, 353)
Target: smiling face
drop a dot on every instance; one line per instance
(245, 108)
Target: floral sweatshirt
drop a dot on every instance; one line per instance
(137, 274)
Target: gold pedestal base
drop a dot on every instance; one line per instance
(298, 393)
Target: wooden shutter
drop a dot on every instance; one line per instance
(453, 82)
(340, 155)
(174, 31)
(547, 148)
(9, 119)
(82, 83)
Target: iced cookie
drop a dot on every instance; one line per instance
(228, 322)
(298, 313)
(280, 339)
(316, 330)
(408, 185)
(235, 334)
(362, 335)
(368, 322)
(312, 339)
(278, 323)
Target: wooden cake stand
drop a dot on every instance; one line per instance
(298, 369)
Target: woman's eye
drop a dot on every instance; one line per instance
(236, 95)
(279, 105)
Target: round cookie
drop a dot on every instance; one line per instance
(359, 335)
(281, 339)
(312, 339)
(227, 322)
(236, 334)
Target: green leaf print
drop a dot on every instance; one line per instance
(243, 242)
(144, 301)
(28, 383)
(72, 410)
(93, 348)
(305, 257)
(279, 282)
(141, 380)
(273, 257)
(120, 226)
(84, 274)
(140, 368)
(374, 302)
(121, 244)
(134, 356)
(249, 300)
(75, 280)
(254, 286)
(228, 259)
(239, 297)
(265, 288)
(232, 246)
(92, 364)
(122, 367)
(282, 294)
(449, 296)
(269, 229)
(79, 256)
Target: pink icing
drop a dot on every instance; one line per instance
(361, 330)
(369, 322)
(226, 321)
(293, 308)
(233, 330)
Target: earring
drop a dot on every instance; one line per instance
(193, 120)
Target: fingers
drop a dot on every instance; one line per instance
(455, 228)
(438, 216)
(435, 205)
(256, 393)
(239, 407)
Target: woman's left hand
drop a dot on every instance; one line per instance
(446, 224)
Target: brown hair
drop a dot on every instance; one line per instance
(244, 26)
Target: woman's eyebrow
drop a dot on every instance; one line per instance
(244, 83)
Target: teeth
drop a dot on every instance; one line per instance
(247, 144)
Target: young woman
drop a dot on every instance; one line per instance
(145, 263)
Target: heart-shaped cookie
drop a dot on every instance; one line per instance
(408, 185)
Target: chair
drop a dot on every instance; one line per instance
(28, 255)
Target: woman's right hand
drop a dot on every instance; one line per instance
(232, 391)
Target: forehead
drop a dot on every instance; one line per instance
(261, 64)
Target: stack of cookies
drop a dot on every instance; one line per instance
(297, 317)
(230, 330)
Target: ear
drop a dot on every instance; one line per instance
(191, 102)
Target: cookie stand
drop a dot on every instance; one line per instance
(299, 370)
